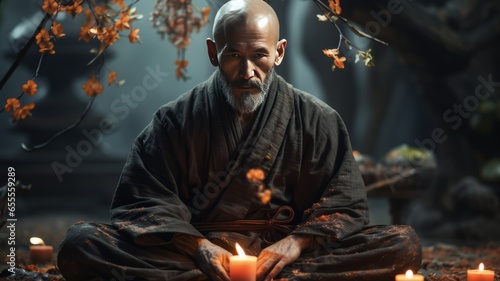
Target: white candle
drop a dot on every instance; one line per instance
(242, 267)
(39, 252)
(409, 276)
(480, 274)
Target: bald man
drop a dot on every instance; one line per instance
(245, 158)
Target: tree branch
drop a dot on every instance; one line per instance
(23, 52)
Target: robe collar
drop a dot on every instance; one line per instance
(233, 152)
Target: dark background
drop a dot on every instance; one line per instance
(437, 52)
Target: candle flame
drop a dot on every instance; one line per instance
(240, 251)
(36, 241)
(409, 274)
(481, 266)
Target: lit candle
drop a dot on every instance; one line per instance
(242, 267)
(409, 276)
(39, 252)
(481, 274)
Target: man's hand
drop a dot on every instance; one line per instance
(274, 258)
(213, 260)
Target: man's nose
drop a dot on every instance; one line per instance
(247, 69)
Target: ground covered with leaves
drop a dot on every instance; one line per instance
(445, 262)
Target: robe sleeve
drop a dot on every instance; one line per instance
(342, 208)
(146, 203)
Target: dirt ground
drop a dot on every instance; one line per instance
(444, 262)
(441, 262)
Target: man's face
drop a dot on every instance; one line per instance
(246, 57)
(246, 102)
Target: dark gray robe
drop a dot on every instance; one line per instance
(189, 166)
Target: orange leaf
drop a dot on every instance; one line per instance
(30, 88)
(74, 9)
(42, 36)
(12, 104)
(101, 9)
(256, 175)
(335, 6)
(50, 6)
(331, 53)
(85, 34)
(181, 65)
(111, 78)
(134, 36)
(57, 29)
(122, 23)
(108, 36)
(92, 87)
(205, 13)
(43, 41)
(119, 3)
(22, 113)
(339, 62)
(47, 48)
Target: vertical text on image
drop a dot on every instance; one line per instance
(11, 220)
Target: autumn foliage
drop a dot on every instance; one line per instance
(103, 21)
(176, 20)
(109, 21)
(331, 13)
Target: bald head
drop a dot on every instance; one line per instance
(246, 48)
(238, 13)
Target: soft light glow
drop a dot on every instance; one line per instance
(36, 241)
(262, 22)
(409, 274)
(240, 251)
(481, 267)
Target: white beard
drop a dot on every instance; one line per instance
(247, 102)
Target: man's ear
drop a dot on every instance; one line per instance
(280, 52)
(212, 52)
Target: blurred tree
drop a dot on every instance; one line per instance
(452, 49)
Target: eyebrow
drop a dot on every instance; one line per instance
(230, 49)
(262, 50)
